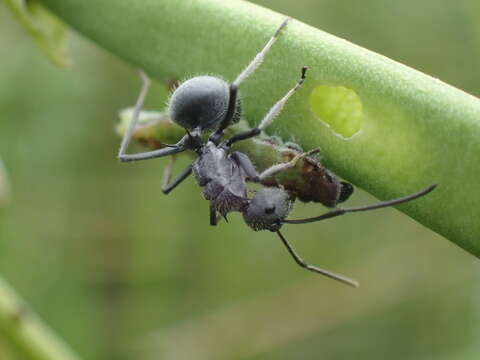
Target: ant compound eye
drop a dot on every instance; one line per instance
(270, 210)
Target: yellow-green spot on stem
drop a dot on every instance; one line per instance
(339, 107)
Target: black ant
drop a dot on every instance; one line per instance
(209, 103)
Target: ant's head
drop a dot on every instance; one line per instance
(201, 102)
(268, 208)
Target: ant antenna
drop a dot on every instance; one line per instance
(303, 264)
(168, 145)
(340, 211)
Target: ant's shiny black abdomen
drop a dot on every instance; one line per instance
(202, 102)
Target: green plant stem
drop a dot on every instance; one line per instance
(28, 335)
(415, 130)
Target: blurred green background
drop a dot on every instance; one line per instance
(121, 271)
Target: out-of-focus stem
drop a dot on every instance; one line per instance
(26, 332)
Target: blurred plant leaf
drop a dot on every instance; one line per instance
(415, 130)
(48, 32)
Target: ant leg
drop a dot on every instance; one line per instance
(303, 264)
(183, 175)
(213, 216)
(174, 149)
(167, 172)
(232, 104)
(271, 115)
(245, 163)
(382, 204)
(258, 59)
(179, 147)
(254, 64)
(275, 169)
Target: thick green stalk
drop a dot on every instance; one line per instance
(26, 332)
(410, 130)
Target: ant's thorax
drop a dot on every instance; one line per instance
(223, 182)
